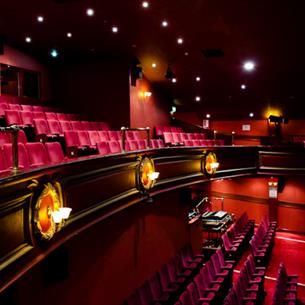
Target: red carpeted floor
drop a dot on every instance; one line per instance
(289, 249)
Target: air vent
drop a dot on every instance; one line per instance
(218, 52)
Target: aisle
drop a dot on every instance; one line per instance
(290, 249)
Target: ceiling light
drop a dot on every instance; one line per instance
(154, 65)
(28, 39)
(90, 12)
(180, 40)
(174, 80)
(40, 19)
(186, 53)
(198, 78)
(208, 116)
(145, 4)
(114, 29)
(164, 23)
(54, 53)
(197, 98)
(243, 87)
(249, 66)
(69, 34)
(251, 114)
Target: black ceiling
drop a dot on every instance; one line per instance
(272, 33)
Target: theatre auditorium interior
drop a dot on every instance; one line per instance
(152, 152)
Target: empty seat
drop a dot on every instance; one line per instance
(115, 147)
(62, 116)
(26, 107)
(65, 125)
(39, 115)
(37, 108)
(103, 135)
(114, 135)
(3, 107)
(103, 148)
(13, 117)
(55, 128)
(131, 145)
(156, 143)
(94, 137)
(27, 118)
(85, 125)
(22, 156)
(51, 116)
(142, 144)
(15, 107)
(5, 138)
(22, 137)
(55, 152)
(3, 165)
(76, 125)
(37, 153)
(41, 127)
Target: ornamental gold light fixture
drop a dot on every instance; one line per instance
(210, 163)
(146, 174)
(49, 213)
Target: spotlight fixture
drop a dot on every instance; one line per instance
(197, 98)
(154, 65)
(174, 80)
(54, 53)
(90, 12)
(40, 19)
(208, 116)
(28, 39)
(198, 78)
(145, 4)
(249, 66)
(114, 29)
(164, 23)
(69, 34)
(251, 114)
(243, 86)
(180, 40)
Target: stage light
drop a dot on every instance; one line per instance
(249, 66)
(54, 53)
(90, 12)
(28, 39)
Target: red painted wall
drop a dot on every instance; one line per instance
(255, 202)
(19, 59)
(98, 89)
(107, 262)
(147, 111)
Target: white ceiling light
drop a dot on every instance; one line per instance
(180, 40)
(145, 4)
(69, 34)
(40, 19)
(28, 39)
(90, 12)
(164, 23)
(114, 29)
(249, 66)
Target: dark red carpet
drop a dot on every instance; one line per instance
(289, 249)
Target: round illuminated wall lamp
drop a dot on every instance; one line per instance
(49, 213)
(146, 175)
(209, 163)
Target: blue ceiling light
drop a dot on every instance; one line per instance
(54, 53)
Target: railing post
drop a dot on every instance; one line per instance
(14, 132)
(148, 136)
(123, 129)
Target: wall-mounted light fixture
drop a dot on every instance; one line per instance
(209, 164)
(61, 214)
(147, 94)
(146, 174)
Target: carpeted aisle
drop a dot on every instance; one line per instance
(289, 249)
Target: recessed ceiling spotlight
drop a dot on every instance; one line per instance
(28, 39)
(208, 116)
(69, 34)
(145, 4)
(164, 23)
(249, 65)
(251, 114)
(40, 18)
(54, 53)
(174, 80)
(114, 29)
(180, 40)
(186, 53)
(90, 12)
(154, 65)
(243, 86)
(197, 98)
(198, 78)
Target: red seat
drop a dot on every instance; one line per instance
(39, 115)
(131, 145)
(65, 125)
(103, 135)
(3, 165)
(84, 139)
(41, 127)
(103, 148)
(22, 137)
(37, 108)
(13, 117)
(85, 125)
(5, 138)
(22, 156)
(14, 107)
(55, 128)
(103, 126)
(55, 152)
(37, 153)
(62, 116)
(114, 135)
(115, 147)
(27, 118)
(51, 116)
(94, 137)
(3, 107)
(27, 107)
(76, 125)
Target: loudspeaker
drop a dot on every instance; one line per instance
(280, 184)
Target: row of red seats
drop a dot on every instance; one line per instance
(159, 130)
(285, 288)
(236, 239)
(31, 155)
(6, 137)
(63, 120)
(249, 287)
(262, 242)
(7, 104)
(165, 286)
(211, 284)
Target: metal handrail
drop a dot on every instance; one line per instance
(14, 129)
(124, 129)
